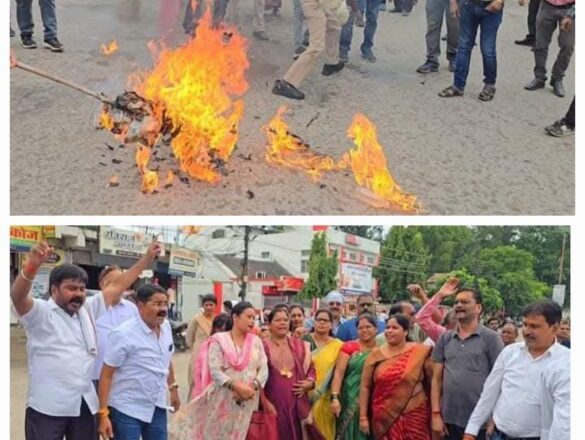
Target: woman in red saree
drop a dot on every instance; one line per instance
(291, 376)
(394, 403)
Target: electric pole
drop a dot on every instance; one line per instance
(562, 258)
(244, 284)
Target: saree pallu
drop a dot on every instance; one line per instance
(399, 406)
(348, 423)
(324, 359)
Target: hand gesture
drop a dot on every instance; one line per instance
(454, 9)
(449, 288)
(40, 254)
(154, 250)
(438, 426)
(302, 387)
(566, 23)
(335, 407)
(417, 291)
(495, 6)
(105, 428)
(175, 400)
(244, 391)
(301, 331)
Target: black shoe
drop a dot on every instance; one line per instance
(527, 41)
(558, 88)
(452, 65)
(53, 44)
(428, 67)
(260, 35)
(559, 129)
(330, 69)
(298, 52)
(286, 89)
(535, 84)
(28, 42)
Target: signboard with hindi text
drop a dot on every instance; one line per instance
(356, 278)
(183, 261)
(123, 243)
(23, 238)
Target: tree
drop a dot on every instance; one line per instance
(322, 269)
(403, 260)
(371, 232)
(446, 245)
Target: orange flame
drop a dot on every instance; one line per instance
(149, 182)
(369, 166)
(192, 89)
(170, 178)
(142, 158)
(290, 151)
(106, 120)
(110, 48)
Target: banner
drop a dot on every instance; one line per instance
(124, 243)
(183, 261)
(356, 278)
(23, 238)
(57, 259)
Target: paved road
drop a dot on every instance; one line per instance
(458, 156)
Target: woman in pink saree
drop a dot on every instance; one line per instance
(236, 371)
(291, 376)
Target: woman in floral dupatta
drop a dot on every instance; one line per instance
(325, 350)
(346, 379)
(236, 371)
(393, 387)
(291, 376)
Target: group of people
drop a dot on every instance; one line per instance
(102, 364)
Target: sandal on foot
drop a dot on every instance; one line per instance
(487, 94)
(450, 92)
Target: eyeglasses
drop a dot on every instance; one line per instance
(322, 320)
(366, 304)
(159, 304)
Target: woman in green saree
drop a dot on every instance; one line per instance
(346, 380)
(324, 352)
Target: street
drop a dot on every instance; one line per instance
(458, 156)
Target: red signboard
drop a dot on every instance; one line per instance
(317, 228)
(351, 239)
(284, 286)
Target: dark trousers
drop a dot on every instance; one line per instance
(457, 432)
(192, 16)
(129, 428)
(25, 19)
(570, 116)
(547, 20)
(532, 13)
(38, 426)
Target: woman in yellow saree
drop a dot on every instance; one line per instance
(324, 352)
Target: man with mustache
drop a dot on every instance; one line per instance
(62, 350)
(512, 391)
(463, 359)
(138, 371)
(348, 330)
(334, 301)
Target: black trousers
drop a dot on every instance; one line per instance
(39, 426)
(533, 6)
(570, 116)
(456, 433)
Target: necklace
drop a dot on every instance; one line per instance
(283, 370)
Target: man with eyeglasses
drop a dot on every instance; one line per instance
(348, 330)
(138, 371)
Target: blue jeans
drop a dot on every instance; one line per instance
(129, 428)
(372, 8)
(473, 17)
(25, 19)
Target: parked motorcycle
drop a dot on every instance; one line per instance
(179, 330)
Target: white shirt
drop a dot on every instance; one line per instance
(107, 319)
(61, 355)
(556, 400)
(512, 391)
(142, 361)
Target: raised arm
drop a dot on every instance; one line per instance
(19, 292)
(113, 291)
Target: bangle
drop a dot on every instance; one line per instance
(436, 413)
(104, 412)
(174, 385)
(30, 280)
(334, 396)
(363, 417)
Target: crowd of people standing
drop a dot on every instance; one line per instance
(102, 364)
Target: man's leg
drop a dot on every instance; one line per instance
(346, 36)
(533, 7)
(258, 21)
(468, 24)
(157, 429)
(38, 426)
(566, 41)
(49, 18)
(570, 116)
(372, 10)
(332, 35)
(546, 24)
(316, 21)
(83, 427)
(232, 14)
(434, 10)
(125, 427)
(489, 25)
(298, 19)
(188, 20)
(24, 17)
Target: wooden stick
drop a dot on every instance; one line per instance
(100, 96)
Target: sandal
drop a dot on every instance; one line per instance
(488, 92)
(450, 92)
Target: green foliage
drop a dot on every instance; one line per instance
(371, 232)
(322, 270)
